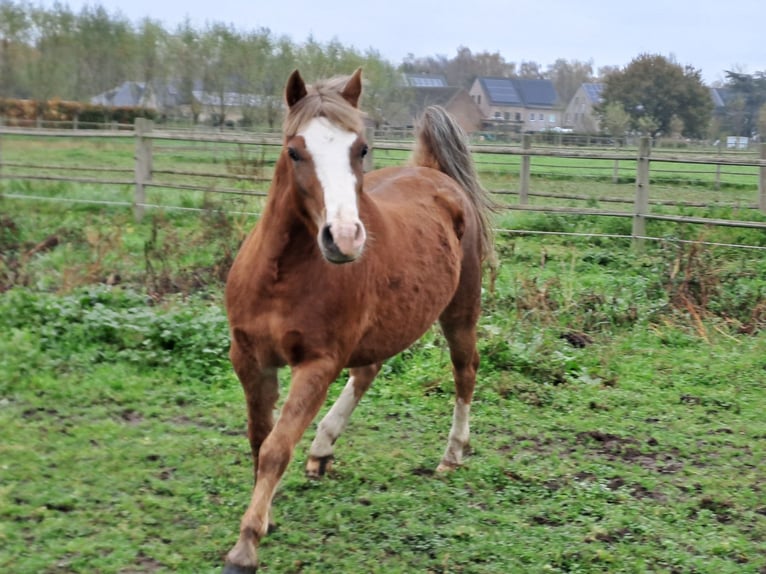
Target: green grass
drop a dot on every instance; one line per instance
(618, 423)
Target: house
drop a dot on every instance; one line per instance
(456, 101)
(205, 105)
(517, 104)
(579, 114)
(227, 107)
(139, 95)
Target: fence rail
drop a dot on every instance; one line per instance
(143, 175)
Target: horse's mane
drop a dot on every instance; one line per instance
(324, 99)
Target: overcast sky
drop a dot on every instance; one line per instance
(711, 36)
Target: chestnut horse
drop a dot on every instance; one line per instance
(346, 269)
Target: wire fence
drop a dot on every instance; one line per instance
(145, 168)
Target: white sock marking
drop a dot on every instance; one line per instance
(334, 422)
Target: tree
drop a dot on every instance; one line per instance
(652, 89)
(220, 67)
(384, 96)
(185, 52)
(427, 65)
(568, 75)
(463, 69)
(278, 67)
(106, 48)
(749, 94)
(54, 69)
(615, 120)
(151, 57)
(466, 66)
(530, 70)
(14, 33)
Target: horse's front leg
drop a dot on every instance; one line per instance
(308, 391)
(334, 422)
(261, 389)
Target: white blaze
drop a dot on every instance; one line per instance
(330, 147)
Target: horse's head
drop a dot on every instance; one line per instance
(325, 150)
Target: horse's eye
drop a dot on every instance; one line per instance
(293, 154)
(365, 149)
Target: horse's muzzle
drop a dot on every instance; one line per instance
(342, 242)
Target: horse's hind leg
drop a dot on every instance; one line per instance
(334, 422)
(459, 326)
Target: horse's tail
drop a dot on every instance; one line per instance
(442, 144)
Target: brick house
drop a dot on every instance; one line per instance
(517, 104)
(579, 115)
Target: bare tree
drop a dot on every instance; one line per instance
(568, 75)
(466, 66)
(530, 70)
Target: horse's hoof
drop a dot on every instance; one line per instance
(446, 467)
(318, 466)
(234, 569)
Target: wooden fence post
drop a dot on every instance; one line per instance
(762, 181)
(641, 203)
(526, 144)
(143, 167)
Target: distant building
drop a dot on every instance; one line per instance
(517, 104)
(167, 100)
(579, 114)
(456, 101)
(137, 95)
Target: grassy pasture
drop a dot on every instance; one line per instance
(618, 424)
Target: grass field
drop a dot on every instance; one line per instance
(618, 424)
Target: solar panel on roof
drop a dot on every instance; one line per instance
(501, 91)
(427, 82)
(593, 91)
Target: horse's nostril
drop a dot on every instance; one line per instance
(359, 236)
(327, 239)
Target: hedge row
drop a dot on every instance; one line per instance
(24, 112)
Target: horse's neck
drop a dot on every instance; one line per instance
(280, 221)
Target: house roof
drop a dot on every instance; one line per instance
(537, 92)
(425, 80)
(520, 92)
(418, 99)
(593, 92)
(720, 97)
(501, 91)
(135, 94)
(433, 96)
(127, 94)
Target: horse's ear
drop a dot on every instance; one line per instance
(353, 88)
(295, 90)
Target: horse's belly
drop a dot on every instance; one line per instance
(405, 309)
